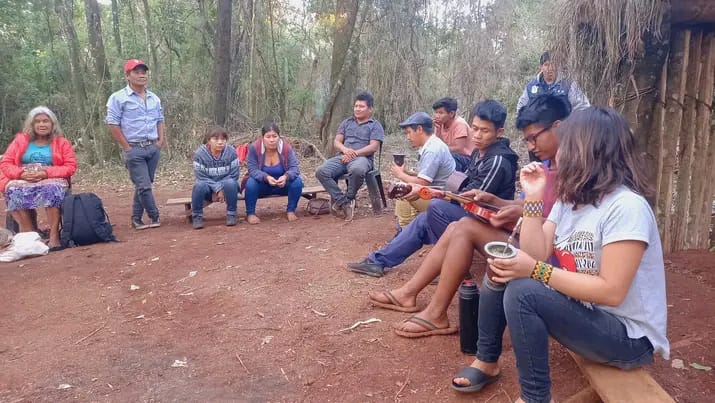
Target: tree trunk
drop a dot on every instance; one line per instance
(687, 144)
(279, 85)
(675, 93)
(343, 73)
(222, 71)
(96, 45)
(693, 11)
(698, 239)
(207, 31)
(150, 41)
(66, 10)
(115, 26)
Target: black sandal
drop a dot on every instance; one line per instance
(477, 380)
(56, 248)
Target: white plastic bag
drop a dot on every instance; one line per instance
(24, 244)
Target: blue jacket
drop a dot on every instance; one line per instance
(538, 86)
(257, 160)
(212, 170)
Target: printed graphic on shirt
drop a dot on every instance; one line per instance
(38, 157)
(576, 253)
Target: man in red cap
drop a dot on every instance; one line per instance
(136, 121)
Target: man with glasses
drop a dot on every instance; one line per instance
(452, 256)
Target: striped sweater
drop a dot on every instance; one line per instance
(212, 170)
(495, 172)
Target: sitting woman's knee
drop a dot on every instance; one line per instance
(296, 183)
(251, 185)
(230, 185)
(521, 291)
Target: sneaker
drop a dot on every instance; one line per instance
(155, 223)
(138, 224)
(337, 209)
(197, 222)
(349, 209)
(231, 220)
(367, 268)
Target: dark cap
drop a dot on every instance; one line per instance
(545, 57)
(418, 118)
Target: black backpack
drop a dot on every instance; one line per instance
(84, 221)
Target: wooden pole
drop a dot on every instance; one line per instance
(698, 234)
(687, 144)
(674, 97)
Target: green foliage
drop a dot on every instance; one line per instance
(411, 53)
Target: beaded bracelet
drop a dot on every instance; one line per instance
(533, 208)
(542, 272)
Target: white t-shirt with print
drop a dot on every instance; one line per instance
(578, 244)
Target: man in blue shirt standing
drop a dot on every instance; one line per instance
(357, 139)
(136, 121)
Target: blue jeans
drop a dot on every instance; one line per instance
(141, 163)
(535, 312)
(462, 162)
(255, 190)
(202, 192)
(425, 229)
(332, 169)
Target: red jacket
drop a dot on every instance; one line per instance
(64, 162)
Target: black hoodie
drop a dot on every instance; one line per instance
(495, 172)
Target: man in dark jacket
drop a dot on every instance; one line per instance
(492, 169)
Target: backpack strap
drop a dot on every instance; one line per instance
(69, 211)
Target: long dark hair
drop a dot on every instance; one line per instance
(597, 153)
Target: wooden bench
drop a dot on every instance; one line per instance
(310, 192)
(613, 385)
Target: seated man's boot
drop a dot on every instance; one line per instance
(368, 268)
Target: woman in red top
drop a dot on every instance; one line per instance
(35, 172)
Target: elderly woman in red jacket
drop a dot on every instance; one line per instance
(35, 172)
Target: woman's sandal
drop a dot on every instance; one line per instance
(56, 248)
(429, 329)
(393, 305)
(477, 380)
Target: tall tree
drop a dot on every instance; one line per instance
(151, 42)
(115, 26)
(65, 9)
(222, 66)
(96, 45)
(343, 71)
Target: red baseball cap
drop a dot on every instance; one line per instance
(132, 64)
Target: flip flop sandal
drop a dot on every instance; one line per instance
(430, 329)
(477, 380)
(394, 304)
(57, 248)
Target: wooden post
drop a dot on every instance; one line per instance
(687, 144)
(702, 193)
(675, 91)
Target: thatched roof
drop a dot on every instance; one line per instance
(598, 42)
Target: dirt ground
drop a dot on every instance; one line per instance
(254, 313)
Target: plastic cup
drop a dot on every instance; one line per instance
(498, 250)
(399, 159)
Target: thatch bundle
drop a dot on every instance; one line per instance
(598, 42)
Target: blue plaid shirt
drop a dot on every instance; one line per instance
(137, 119)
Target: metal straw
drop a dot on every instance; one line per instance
(511, 237)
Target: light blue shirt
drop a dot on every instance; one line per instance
(137, 119)
(37, 154)
(436, 163)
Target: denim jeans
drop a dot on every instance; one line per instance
(462, 162)
(534, 312)
(202, 192)
(255, 190)
(425, 229)
(141, 163)
(332, 169)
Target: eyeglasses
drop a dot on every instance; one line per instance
(532, 139)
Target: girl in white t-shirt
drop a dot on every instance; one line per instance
(607, 300)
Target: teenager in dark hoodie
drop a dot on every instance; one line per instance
(216, 171)
(272, 170)
(492, 169)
